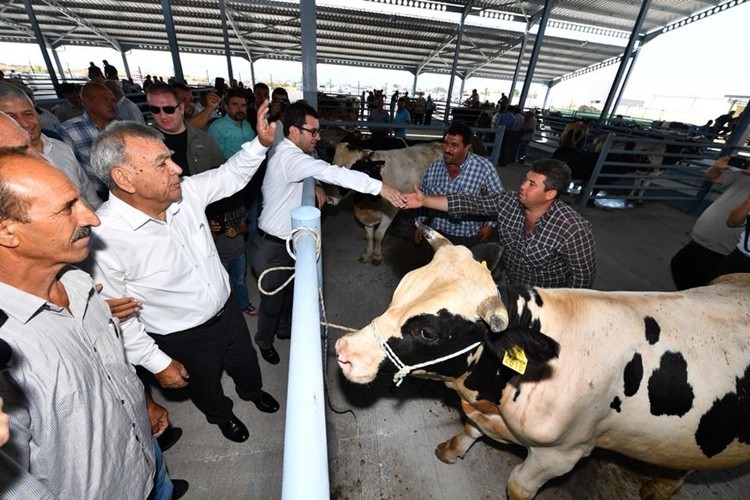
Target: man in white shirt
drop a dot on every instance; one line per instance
(155, 244)
(126, 109)
(288, 166)
(17, 106)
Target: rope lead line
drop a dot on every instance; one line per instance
(404, 369)
(296, 234)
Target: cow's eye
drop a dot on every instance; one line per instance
(428, 335)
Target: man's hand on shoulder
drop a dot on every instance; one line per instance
(174, 376)
(266, 131)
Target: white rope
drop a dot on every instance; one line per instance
(403, 368)
(296, 234)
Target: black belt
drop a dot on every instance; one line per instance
(270, 237)
(212, 320)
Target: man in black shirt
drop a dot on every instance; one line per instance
(194, 150)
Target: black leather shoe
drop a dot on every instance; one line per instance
(169, 438)
(270, 355)
(180, 487)
(266, 403)
(235, 430)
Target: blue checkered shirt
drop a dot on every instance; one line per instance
(79, 133)
(477, 176)
(559, 252)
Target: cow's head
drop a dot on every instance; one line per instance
(449, 310)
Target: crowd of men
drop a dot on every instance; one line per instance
(125, 249)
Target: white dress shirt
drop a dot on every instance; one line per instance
(127, 110)
(171, 266)
(288, 166)
(62, 157)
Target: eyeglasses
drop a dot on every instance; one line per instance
(155, 110)
(313, 131)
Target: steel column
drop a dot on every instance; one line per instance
(172, 37)
(535, 53)
(606, 111)
(40, 40)
(633, 59)
(459, 36)
(225, 34)
(309, 52)
(125, 63)
(518, 65)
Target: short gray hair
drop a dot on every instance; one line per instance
(11, 91)
(108, 150)
(13, 205)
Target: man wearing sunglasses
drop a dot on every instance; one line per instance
(195, 151)
(289, 164)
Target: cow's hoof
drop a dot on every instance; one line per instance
(364, 259)
(444, 454)
(376, 262)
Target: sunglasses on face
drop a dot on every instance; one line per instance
(155, 110)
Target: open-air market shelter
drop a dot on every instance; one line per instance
(541, 41)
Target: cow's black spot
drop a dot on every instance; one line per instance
(633, 375)
(488, 377)
(518, 393)
(669, 392)
(652, 330)
(538, 299)
(615, 404)
(727, 419)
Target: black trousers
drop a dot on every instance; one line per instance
(694, 265)
(274, 311)
(222, 343)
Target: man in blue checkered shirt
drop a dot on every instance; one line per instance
(546, 243)
(79, 132)
(459, 171)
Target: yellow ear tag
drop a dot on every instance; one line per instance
(515, 359)
(484, 264)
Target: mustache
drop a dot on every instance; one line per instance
(80, 233)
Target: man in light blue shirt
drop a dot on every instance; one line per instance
(233, 130)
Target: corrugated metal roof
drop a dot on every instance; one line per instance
(411, 35)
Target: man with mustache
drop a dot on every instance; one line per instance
(79, 422)
(232, 130)
(459, 171)
(155, 245)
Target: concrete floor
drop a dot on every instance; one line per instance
(381, 441)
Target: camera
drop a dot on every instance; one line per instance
(739, 162)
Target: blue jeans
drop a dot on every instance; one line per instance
(162, 484)
(237, 268)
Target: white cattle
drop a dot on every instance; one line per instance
(660, 377)
(402, 169)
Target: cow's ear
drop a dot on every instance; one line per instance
(490, 254)
(537, 347)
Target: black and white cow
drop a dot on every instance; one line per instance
(660, 377)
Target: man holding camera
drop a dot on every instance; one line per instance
(711, 239)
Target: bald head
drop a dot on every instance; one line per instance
(99, 102)
(12, 137)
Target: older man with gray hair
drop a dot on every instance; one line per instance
(18, 107)
(155, 244)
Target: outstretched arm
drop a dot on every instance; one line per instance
(417, 199)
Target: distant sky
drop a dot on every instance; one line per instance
(681, 75)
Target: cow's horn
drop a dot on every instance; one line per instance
(435, 239)
(494, 313)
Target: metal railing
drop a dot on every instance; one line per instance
(305, 474)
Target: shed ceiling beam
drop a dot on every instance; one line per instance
(440, 47)
(72, 16)
(690, 19)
